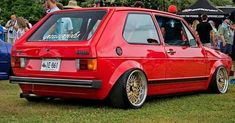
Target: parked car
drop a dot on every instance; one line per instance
(5, 62)
(123, 54)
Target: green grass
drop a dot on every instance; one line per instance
(197, 107)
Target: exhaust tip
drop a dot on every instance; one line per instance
(22, 95)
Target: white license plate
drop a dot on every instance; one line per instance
(50, 65)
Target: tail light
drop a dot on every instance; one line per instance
(18, 62)
(86, 64)
(15, 62)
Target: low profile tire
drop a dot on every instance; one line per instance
(130, 90)
(220, 81)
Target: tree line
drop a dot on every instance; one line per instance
(33, 9)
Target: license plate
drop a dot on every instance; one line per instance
(50, 65)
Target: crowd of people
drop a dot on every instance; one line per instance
(221, 38)
(15, 27)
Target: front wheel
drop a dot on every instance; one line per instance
(130, 91)
(220, 80)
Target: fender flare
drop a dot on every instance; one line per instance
(121, 69)
(213, 69)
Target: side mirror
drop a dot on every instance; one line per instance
(153, 41)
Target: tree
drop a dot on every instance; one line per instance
(33, 10)
(29, 9)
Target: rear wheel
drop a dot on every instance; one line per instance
(130, 91)
(220, 80)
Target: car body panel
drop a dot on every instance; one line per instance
(189, 69)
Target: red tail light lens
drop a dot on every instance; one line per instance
(15, 62)
(86, 64)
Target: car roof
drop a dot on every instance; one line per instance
(119, 9)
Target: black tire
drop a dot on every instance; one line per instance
(126, 90)
(33, 99)
(220, 80)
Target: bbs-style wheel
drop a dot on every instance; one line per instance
(130, 91)
(220, 80)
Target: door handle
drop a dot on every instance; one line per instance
(171, 51)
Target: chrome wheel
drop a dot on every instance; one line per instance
(222, 80)
(136, 88)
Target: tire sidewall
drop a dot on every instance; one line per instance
(214, 83)
(128, 74)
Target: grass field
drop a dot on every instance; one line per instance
(197, 107)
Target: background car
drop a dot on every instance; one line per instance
(123, 54)
(5, 62)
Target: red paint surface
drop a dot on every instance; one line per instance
(151, 59)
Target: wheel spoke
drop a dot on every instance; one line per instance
(136, 88)
(222, 80)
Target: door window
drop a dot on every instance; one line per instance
(173, 31)
(191, 39)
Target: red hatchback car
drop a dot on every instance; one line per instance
(123, 54)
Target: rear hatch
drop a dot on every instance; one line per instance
(60, 47)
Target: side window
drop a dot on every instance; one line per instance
(173, 31)
(191, 39)
(140, 28)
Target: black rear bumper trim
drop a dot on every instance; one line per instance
(96, 84)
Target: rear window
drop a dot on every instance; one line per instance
(69, 26)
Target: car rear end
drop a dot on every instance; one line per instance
(57, 58)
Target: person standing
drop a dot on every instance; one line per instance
(203, 30)
(29, 25)
(214, 36)
(11, 26)
(225, 36)
(139, 4)
(22, 27)
(50, 6)
(194, 24)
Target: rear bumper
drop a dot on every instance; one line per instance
(96, 84)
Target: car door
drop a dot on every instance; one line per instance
(144, 44)
(186, 59)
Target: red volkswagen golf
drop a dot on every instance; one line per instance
(124, 54)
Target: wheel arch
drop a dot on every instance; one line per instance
(122, 69)
(213, 69)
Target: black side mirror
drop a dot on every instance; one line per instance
(152, 41)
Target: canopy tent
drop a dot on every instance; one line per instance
(227, 8)
(202, 7)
